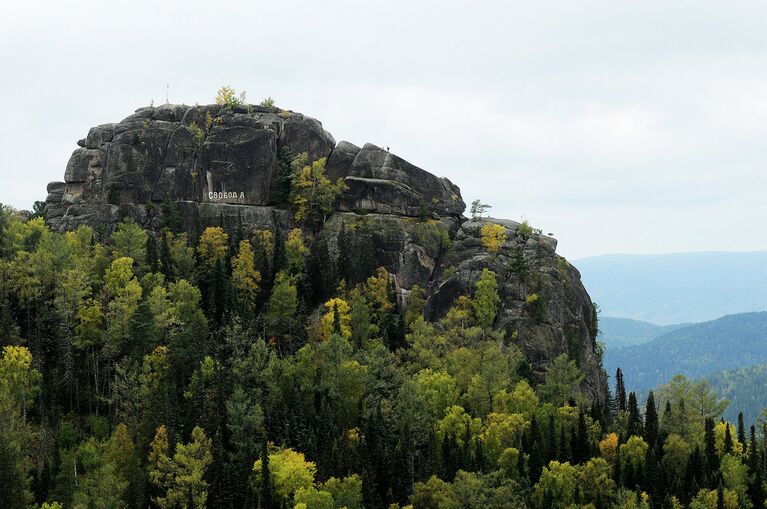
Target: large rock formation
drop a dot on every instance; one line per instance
(219, 166)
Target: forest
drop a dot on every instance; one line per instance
(170, 370)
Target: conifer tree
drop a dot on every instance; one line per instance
(753, 453)
(536, 453)
(741, 429)
(756, 490)
(620, 390)
(634, 425)
(165, 260)
(651, 425)
(152, 256)
(581, 441)
(266, 497)
(720, 497)
(712, 459)
(727, 440)
(11, 481)
(654, 479)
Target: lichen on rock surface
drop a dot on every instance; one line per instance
(218, 165)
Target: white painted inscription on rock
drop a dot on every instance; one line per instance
(225, 195)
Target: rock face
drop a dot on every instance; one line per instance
(219, 165)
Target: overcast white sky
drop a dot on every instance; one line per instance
(634, 127)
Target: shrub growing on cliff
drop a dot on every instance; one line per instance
(493, 237)
(477, 209)
(536, 307)
(486, 299)
(227, 96)
(312, 194)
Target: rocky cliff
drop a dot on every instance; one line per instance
(219, 166)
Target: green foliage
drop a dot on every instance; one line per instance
(142, 371)
(486, 299)
(267, 103)
(196, 131)
(536, 307)
(290, 473)
(563, 380)
(493, 237)
(478, 208)
(696, 350)
(180, 479)
(227, 96)
(312, 194)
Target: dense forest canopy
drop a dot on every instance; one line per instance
(231, 370)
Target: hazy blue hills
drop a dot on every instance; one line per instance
(620, 332)
(697, 350)
(677, 288)
(745, 388)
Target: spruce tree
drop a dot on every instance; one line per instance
(651, 425)
(552, 447)
(535, 463)
(165, 261)
(450, 460)
(741, 429)
(620, 390)
(720, 497)
(756, 490)
(170, 215)
(266, 500)
(281, 192)
(152, 257)
(11, 481)
(654, 479)
(712, 460)
(727, 439)
(753, 453)
(634, 425)
(580, 441)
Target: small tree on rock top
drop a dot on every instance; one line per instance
(477, 209)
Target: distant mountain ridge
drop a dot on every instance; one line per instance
(677, 288)
(697, 350)
(621, 332)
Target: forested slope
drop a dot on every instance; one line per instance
(697, 350)
(349, 341)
